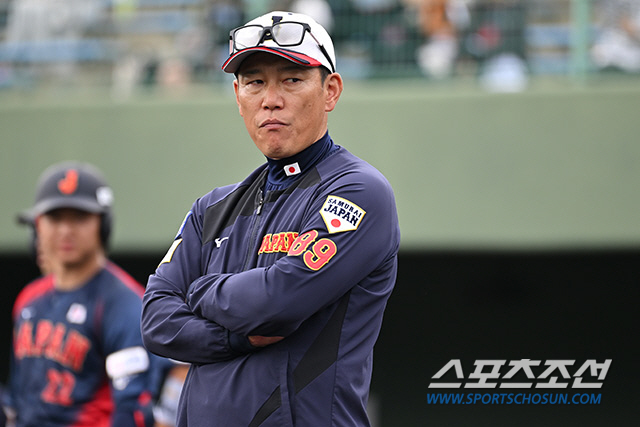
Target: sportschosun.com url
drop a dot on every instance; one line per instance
(513, 399)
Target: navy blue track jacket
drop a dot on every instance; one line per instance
(304, 248)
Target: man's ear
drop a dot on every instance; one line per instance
(333, 88)
(235, 90)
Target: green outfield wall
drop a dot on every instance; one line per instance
(556, 166)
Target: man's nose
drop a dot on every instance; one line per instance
(272, 97)
(65, 225)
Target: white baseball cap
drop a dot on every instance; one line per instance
(305, 42)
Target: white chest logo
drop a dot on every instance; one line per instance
(77, 314)
(340, 214)
(27, 313)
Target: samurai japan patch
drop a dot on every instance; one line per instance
(340, 214)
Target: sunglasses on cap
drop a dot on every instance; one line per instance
(284, 34)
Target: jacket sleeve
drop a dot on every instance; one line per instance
(169, 326)
(127, 361)
(325, 261)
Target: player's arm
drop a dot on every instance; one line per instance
(166, 408)
(169, 326)
(127, 362)
(322, 265)
(128, 371)
(8, 403)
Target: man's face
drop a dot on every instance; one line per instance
(68, 237)
(284, 105)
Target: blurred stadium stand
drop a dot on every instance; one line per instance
(373, 38)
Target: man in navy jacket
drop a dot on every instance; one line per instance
(274, 288)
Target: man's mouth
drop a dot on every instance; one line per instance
(271, 124)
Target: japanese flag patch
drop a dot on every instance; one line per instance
(292, 169)
(340, 214)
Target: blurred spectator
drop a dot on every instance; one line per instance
(125, 75)
(32, 26)
(496, 39)
(222, 17)
(373, 6)
(194, 46)
(174, 75)
(441, 22)
(617, 45)
(41, 20)
(317, 9)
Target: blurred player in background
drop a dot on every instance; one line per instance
(78, 358)
(275, 288)
(165, 410)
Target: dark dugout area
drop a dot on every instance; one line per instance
(476, 305)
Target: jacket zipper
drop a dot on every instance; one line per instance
(254, 230)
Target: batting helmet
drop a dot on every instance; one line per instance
(73, 185)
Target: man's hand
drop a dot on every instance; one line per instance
(260, 341)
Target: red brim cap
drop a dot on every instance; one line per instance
(232, 64)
